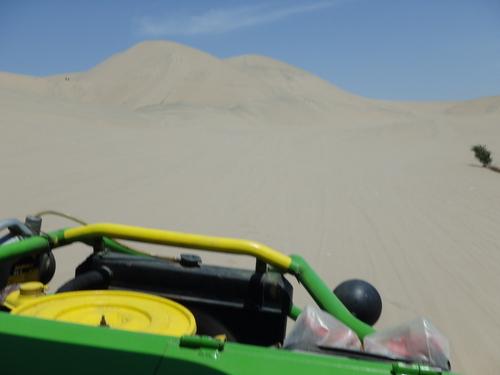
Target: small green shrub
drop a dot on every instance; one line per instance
(482, 154)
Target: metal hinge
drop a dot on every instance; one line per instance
(207, 346)
(198, 342)
(401, 368)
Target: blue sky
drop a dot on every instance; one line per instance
(384, 49)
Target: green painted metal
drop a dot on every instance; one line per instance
(31, 245)
(34, 346)
(294, 312)
(326, 299)
(196, 341)
(244, 359)
(401, 368)
(30, 345)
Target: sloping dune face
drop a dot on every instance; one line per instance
(488, 105)
(166, 136)
(153, 73)
(154, 76)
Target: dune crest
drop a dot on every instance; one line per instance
(158, 77)
(486, 105)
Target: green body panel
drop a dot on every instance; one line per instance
(30, 345)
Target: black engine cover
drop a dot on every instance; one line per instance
(248, 306)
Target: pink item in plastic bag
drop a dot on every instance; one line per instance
(317, 327)
(416, 340)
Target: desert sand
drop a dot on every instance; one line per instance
(169, 137)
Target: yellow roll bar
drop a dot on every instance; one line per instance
(194, 241)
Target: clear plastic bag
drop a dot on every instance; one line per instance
(416, 340)
(315, 327)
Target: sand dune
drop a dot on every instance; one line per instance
(166, 136)
(488, 105)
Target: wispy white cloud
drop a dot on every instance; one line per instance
(222, 20)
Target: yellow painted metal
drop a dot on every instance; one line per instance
(130, 311)
(27, 292)
(219, 244)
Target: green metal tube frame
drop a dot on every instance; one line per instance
(294, 265)
(326, 299)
